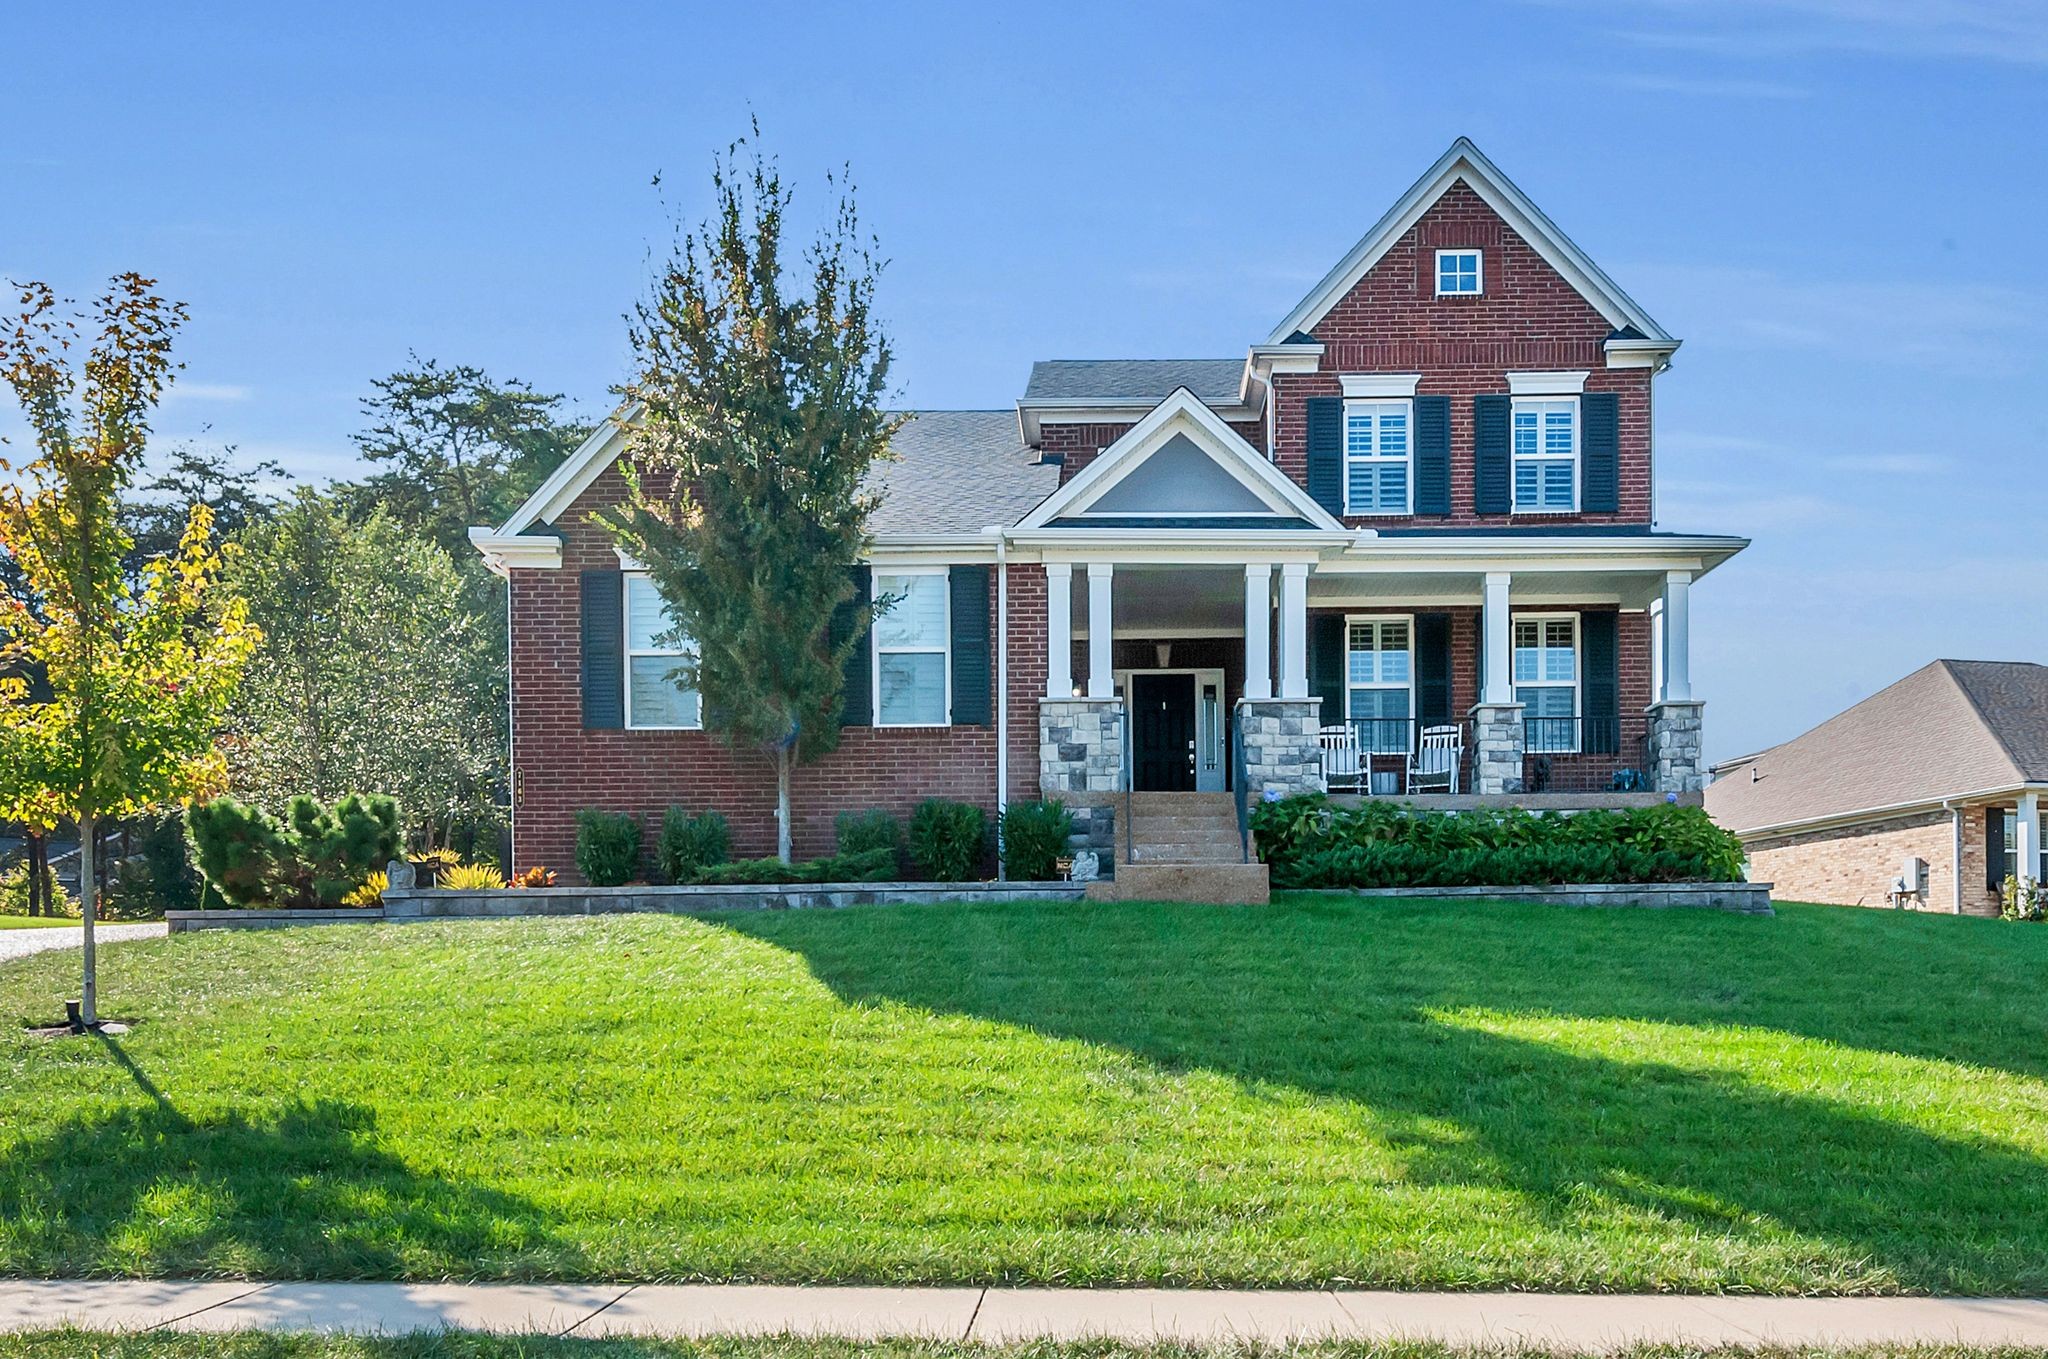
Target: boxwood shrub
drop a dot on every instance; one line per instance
(607, 847)
(1311, 842)
(1034, 837)
(948, 840)
(690, 844)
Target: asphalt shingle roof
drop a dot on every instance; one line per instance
(1949, 729)
(1214, 381)
(959, 472)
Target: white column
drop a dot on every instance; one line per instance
(1657, 648)
(1499, 641)
(1059, 630)
(1101, 663)
(1677, 644)
(2026, 837)
(1294, 630)
(1258, 625)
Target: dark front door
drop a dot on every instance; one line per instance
(1163, 733)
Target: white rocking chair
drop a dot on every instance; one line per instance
(1436, 758)
(1342, 762)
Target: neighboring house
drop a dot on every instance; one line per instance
(1947, 766)
(1425, 499)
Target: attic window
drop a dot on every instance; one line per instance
(1459, 273)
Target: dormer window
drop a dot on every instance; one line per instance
(1459, 273)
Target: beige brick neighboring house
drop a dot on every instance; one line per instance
(1948, 766)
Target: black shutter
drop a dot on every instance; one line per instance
(1491, 479)
(1326, 452)
(1600, 686)
(1994, 848)
(1600, 453)
(1432, 669)
(1326, 664)
(604, 650)
(973, 704)
(1432, 455)
(858, 709)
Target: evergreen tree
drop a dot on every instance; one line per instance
(759, 416)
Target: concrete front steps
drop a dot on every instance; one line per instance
(1184, 847)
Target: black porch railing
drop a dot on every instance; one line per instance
(1238, 789)
(1585, 755)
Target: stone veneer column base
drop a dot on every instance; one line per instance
(1282, 755)
(1497, 735)
(1081, 762)
(1674, 748)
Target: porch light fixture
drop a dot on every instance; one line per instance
(1162, 652)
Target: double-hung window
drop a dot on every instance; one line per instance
(656, 695)
(911, 650)
(2012, 848)
(1376, 445)
(1547, 682)
(1546, 455)
(1379, 683)
(1459, 273)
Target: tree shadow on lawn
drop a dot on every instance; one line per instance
(1594, 1143)
(300, 1190)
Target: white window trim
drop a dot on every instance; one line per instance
(1576, 684)
(1407, 406)
(1554, 382)
(1365, 385)
(1515, 459)
(1478, 270)
(1407, 619)
(2012, 845)
(626, 627)
(945, 652)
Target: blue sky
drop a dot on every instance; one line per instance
(1837, 203)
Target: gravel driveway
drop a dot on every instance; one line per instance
(21, 943)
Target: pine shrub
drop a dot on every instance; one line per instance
(690, 844)
(871, 829)
(948, 840)
(1034, 838)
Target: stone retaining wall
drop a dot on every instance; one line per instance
(1745, 898)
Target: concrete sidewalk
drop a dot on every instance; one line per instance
(1595, 1322)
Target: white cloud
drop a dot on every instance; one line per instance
(208, 391)
(1707, 88)
(1898, 464)
(2006, 31)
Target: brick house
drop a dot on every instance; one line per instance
(1947, 766)
(1423, 500)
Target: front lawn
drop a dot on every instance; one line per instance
(34, 922)
(1417, 1095)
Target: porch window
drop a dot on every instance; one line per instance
(656, 697)
(1546, 455)
(1547, 682)
(911, 641)
(2012, 848)
(1376, 457)
(1379, 693)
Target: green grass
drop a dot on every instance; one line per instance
(1323, 1091)
(72, 1344)
(33, 922)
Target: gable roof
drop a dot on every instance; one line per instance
(1136, 381)
(1182, 414)
(1950, 729)
(953, 472)
(1465, 162)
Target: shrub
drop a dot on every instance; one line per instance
(242, 851)
(473, 878)
(370, 892)
(607, 847)
(690, 844)
(14, 893)
(871, 829)
(1309, 842)
(867, 865)
(1034, 838)
(2023, 899)
(948, 840)
(537, 876)
(335, 849)
(878, 864)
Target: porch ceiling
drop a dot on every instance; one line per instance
(1173, 600)
(1629, 589)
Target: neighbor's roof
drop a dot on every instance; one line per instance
(1950, 729)
(959, 472)
(1133, 381)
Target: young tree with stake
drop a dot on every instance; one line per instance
(759, 416)
(135, 683)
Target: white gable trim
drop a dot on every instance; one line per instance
(554, 497)
(1181, 413)
(1464, 162)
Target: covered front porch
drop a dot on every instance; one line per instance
(1387, 675)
